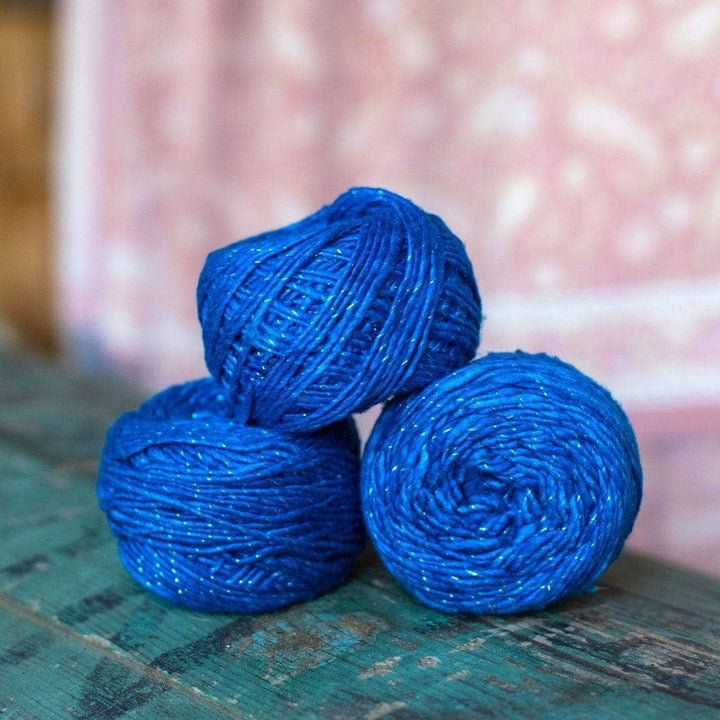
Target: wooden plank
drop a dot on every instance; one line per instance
(47, 673)
(364, 645)
(645, 644)
(662, 582)
(55, 413)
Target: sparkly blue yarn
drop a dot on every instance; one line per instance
(217, 515)
(503, 487)
(369, 298)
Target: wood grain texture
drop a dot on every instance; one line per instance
(79, 639)
(26, 76)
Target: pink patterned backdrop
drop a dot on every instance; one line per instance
(574, 146)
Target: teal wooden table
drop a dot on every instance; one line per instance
(78, 639)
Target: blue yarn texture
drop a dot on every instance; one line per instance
(503, 487)
(369, 298)
(217, 515)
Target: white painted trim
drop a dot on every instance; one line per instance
(608, 305)
(76, 174)
(668, 386)
(665, 382)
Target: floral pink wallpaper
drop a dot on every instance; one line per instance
(573, 146)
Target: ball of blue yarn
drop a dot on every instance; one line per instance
(369, 298)
(218, 515)
(503, 487)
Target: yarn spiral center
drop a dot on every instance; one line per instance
(502, 487)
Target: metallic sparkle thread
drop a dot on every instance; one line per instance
(218, 515)
(369, 298)
(503, 487)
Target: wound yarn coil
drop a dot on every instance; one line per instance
(369, 298)
(217, 515)
(503, 487)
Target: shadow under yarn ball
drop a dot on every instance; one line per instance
(369, 298)
(503, 487)
(216, 515)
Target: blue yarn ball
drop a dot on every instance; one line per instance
(218, 515)
(369, 298)
(503, 487)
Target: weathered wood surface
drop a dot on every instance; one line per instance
(78, 639)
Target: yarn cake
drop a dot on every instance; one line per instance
(367, 299)
(214, 514)
(503, 487)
